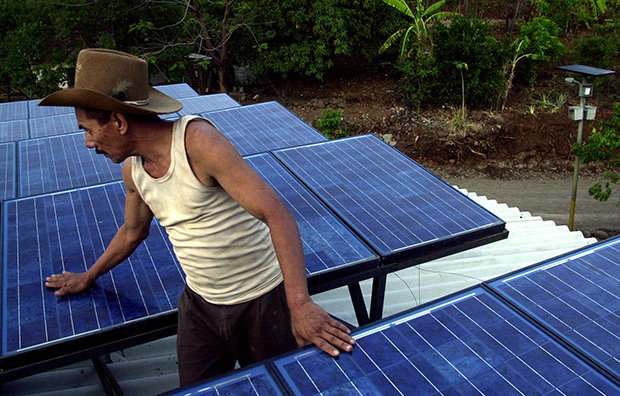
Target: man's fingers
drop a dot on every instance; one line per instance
(339, 328)
(331, 340)
(53, 281)
(66, 283)
(340, 340)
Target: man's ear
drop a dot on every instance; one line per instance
(120, 122)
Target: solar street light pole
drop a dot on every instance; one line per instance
(579, 113)
(573, 200)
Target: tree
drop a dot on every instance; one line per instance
(467, 41)
(307, 37)
(29, 54)
(421, 18)
(603, 148)
(42, 38)
(174, 29)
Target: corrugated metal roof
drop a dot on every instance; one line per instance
(151, 368)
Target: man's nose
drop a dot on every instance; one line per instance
(89, 142)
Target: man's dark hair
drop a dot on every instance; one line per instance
(103, 116)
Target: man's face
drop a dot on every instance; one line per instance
(105, 139)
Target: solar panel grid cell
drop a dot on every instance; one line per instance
(7, 170)
(36, 111)
(14, 111)
(327, 243)
(469, 344)
(206, 103)
(11, 131)
(177, 91)
(61, 162)
(263, 127)
(576, 296)
(68, 231)
(53, 125)
(394, 203)
(253, 380)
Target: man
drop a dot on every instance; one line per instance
(246, 297)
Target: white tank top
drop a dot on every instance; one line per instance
(226, 253)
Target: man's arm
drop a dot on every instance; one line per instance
(214, 160)
(136, 228)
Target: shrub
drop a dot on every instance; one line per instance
(560, 11)
(597, 51)
(331, 124)
(540, 37)
(466, 41)
(420, 75)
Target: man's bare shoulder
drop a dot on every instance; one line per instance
(201, 134)
(202, 128)
(209, 151)
(127, 177)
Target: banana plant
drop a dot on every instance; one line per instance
(421, 17)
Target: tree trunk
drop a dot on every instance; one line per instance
(221, 69)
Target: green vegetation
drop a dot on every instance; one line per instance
(447, 53)
(420, 18)
(331, 124)
(288, 38)
(603, 148)
(541, 38)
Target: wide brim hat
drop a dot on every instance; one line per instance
(113, 81)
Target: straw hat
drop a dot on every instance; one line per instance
(114, 81)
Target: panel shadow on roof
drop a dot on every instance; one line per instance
(256, 380)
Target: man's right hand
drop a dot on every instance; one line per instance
(68, 283)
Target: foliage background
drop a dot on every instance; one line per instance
(487, 54)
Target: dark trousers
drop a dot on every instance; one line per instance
(211, 338)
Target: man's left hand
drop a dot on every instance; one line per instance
(312, 324)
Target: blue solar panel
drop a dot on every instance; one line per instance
(262, 127)
(328, 245)
(206, 103)
(469, 344)
(576, 296)
(256, 380)
(54, 125)
(36, 111)
(7, 170)
(11, 131)
(47, 234)
(396, 205)
(169, 116)
(60, 163)
(177, 91)
(13, 111)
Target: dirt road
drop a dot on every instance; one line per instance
(549, 199)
